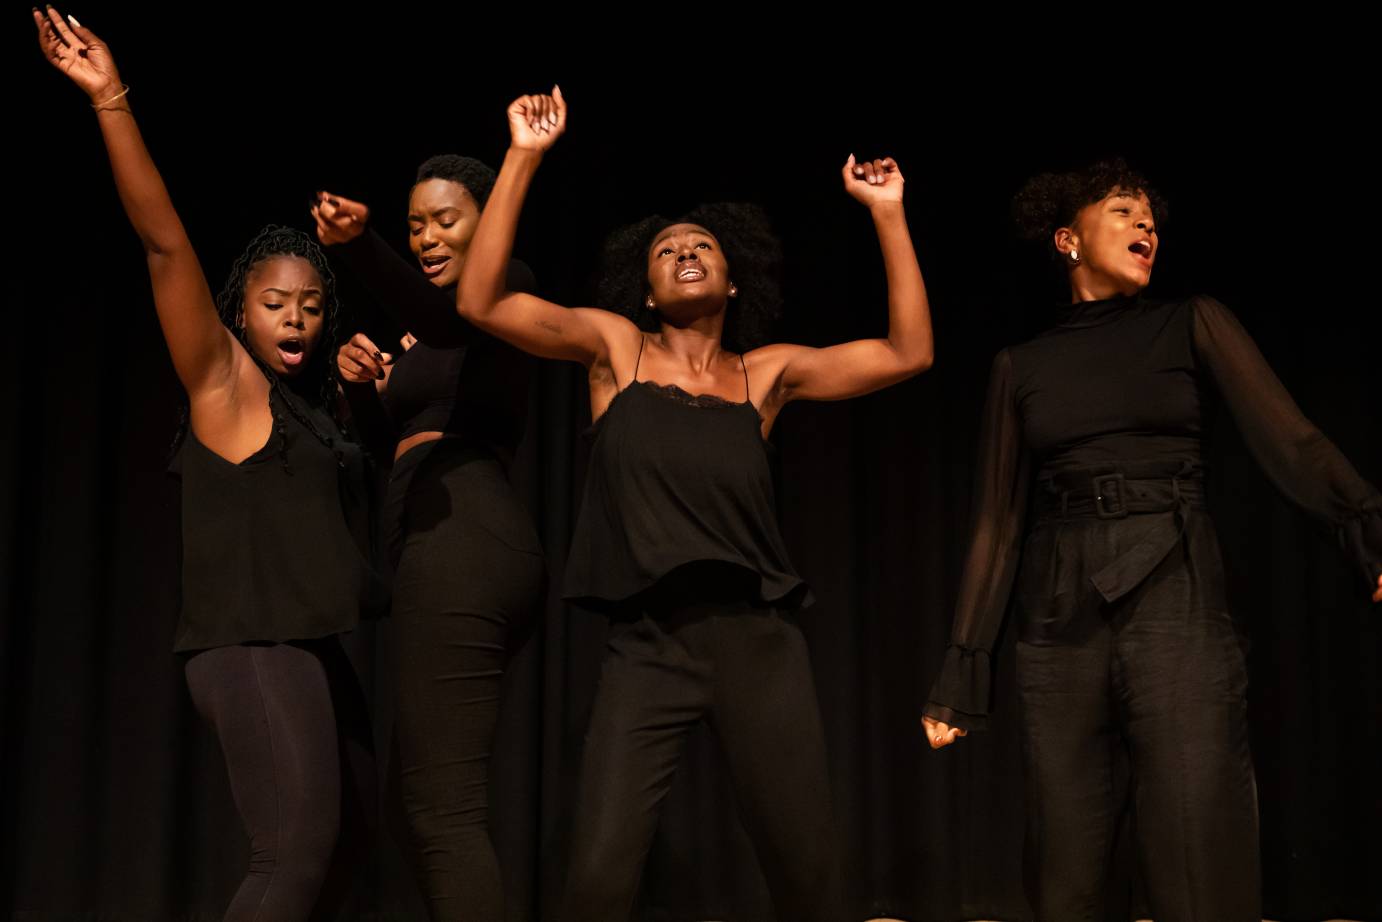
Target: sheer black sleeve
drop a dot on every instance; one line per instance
(1304, 465)
(960, 695)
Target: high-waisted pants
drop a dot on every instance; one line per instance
(1158, 670)
(468, 586)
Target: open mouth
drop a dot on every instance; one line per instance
(1142, 248)
(434, 265)
(292, 352)
(690, 273)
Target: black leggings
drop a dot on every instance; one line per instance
(469, 583)
(294, 729)
(746, 671)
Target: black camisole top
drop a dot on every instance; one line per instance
(274, 548)
(677, 479)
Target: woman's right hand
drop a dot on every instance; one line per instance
(360, 361)
(535, 122)
(339, 220)
(940, 734)
(77, 52)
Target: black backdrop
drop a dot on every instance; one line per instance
(113, 801)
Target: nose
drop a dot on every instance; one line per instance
(1147, 227)
(292, 317)
(687, 253)
(428, 239)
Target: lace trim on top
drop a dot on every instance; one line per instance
(680, 395)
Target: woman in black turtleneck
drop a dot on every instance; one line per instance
(1095, 427)
(469, 571)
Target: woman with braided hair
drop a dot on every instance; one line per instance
(272, 520)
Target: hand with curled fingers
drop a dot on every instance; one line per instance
(339, 220)
(940, 734)
(359, 361)
(535, 122)
(76, 51)
(873, 181)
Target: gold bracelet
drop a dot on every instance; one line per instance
(98, 106)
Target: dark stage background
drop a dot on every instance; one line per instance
(113, 800)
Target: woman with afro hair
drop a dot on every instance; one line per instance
(469, 576)
(677, 538)
(1090, 476)
(273, 522)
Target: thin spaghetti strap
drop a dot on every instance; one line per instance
(642, 341)
(748, 395)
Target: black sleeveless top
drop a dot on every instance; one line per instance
(274, 548)
(677, 479)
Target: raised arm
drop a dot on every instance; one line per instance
(865, 365)
(1304, 465)
(204, 352)
(530, 323)
(959, 698)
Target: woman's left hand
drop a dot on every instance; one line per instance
(872, 182)
(339, 220)
(77, 52)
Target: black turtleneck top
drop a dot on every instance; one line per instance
(1125, 381)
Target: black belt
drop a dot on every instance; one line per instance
(1115, 493)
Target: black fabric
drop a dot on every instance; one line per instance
(1122, 382)
(467, 590)
(462, 381)
(276, 547)
(101, 745)
(675, 479)
(295, 734)
(691, 655)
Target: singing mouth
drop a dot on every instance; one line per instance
(690, 273)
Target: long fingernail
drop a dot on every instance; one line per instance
(74, 20)
(379, 356)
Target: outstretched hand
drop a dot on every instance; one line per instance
(940, 734)
(535, 122)
(874, 181)
(339, 220)
(76, 51)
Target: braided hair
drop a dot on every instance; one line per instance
(318, 379)
(751, 250)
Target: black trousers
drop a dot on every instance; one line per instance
(746, 671)
(468, 587)
(293, 726)
(1157, 675)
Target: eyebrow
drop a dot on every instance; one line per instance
(700, 231)
(289, 294)
(414, 216)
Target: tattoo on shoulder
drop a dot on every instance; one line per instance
(551, 326)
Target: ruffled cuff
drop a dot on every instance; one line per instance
(960, 695)
(1360, 537)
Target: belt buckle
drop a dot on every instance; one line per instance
(1109, 497)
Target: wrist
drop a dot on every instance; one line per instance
(885, 209)
(110, 96)
(524, 156)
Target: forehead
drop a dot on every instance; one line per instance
(437, 194)
(679, 231)
(1128, 196)
(284, 271)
